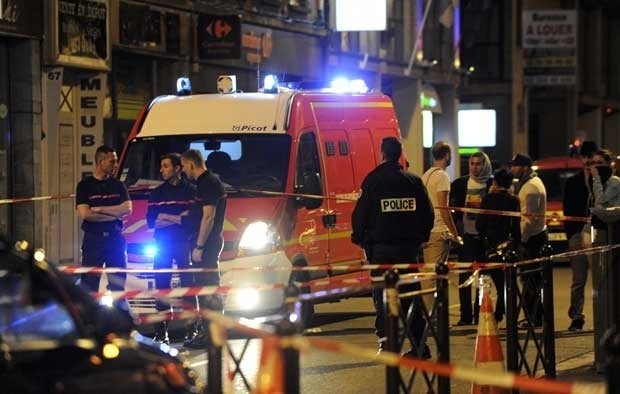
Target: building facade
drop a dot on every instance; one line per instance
(548, 67)
(75, 73)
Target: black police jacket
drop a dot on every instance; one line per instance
(393, 208)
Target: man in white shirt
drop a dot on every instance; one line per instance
(533, 196)
(444, 230)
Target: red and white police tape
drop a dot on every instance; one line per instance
(340, 198)
(475, 375)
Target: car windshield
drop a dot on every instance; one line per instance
(554, 180)
(242, 161)
(26, 318)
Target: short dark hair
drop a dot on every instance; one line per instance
(391, 148)
(440, 150)
(101, 152)
(605, 153)
(588, 148)
(194, 156)
(503, 178)
(174, 158)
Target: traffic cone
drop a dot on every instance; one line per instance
(488, 348)
(270, 379)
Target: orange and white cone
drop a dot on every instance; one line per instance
(270, 379)
(489, 356)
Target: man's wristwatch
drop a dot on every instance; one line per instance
(199, 247)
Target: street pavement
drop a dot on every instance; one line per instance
(351, 321)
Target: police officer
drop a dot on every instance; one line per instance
(392, 218)
(102, 202)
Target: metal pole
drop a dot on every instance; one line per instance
(611, 345)
(548, 315)
(418, 36)
(290, 355)
(443, 320)
(512, 313)
(214, 350)
(391, 306)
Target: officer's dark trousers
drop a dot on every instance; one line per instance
(210, 259)
(104, 248)
(169, 251)
(396, 254)
(532, 283)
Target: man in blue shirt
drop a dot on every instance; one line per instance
(101, 202)
(168, 204)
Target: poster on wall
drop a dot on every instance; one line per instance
(21, 18)
(82, 33)
(549, 47)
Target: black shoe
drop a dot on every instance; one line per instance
(198, 342)
(498, 317)
(382, 343)
(161, 333)
(576, 324)
(191, 332)
(426, 353)
(464, 323)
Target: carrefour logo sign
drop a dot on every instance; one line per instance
(247, 127)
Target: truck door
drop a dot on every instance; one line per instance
(342, 191)
(309, 230)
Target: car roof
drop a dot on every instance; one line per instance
(558, 163)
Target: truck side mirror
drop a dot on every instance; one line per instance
(311, 185)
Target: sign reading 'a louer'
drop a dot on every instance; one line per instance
(549, 29)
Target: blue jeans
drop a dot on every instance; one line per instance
(579, 266)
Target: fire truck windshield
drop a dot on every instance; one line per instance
(242, 161)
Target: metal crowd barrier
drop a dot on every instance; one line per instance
(528, 351)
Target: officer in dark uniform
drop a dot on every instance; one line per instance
(208, 213)
(392, 218)
(168, 204)
(101, 202)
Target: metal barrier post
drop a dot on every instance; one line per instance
(611, 345)
(511, 296)
(285, 329)
(443, 322)
(391, 306)
(548, 315)
(214, 349)
(605, 279)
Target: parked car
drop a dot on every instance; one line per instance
(554, 171)
(55, 338)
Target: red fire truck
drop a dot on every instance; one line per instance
(272, 149)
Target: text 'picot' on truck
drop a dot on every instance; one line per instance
(274, 150)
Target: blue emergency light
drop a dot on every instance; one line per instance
(344, 85)
(270, 84)
(184, 87)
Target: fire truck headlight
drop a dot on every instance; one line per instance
(246, 299)
(258, 237)
(149, 251)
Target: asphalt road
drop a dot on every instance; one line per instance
(350, 321)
